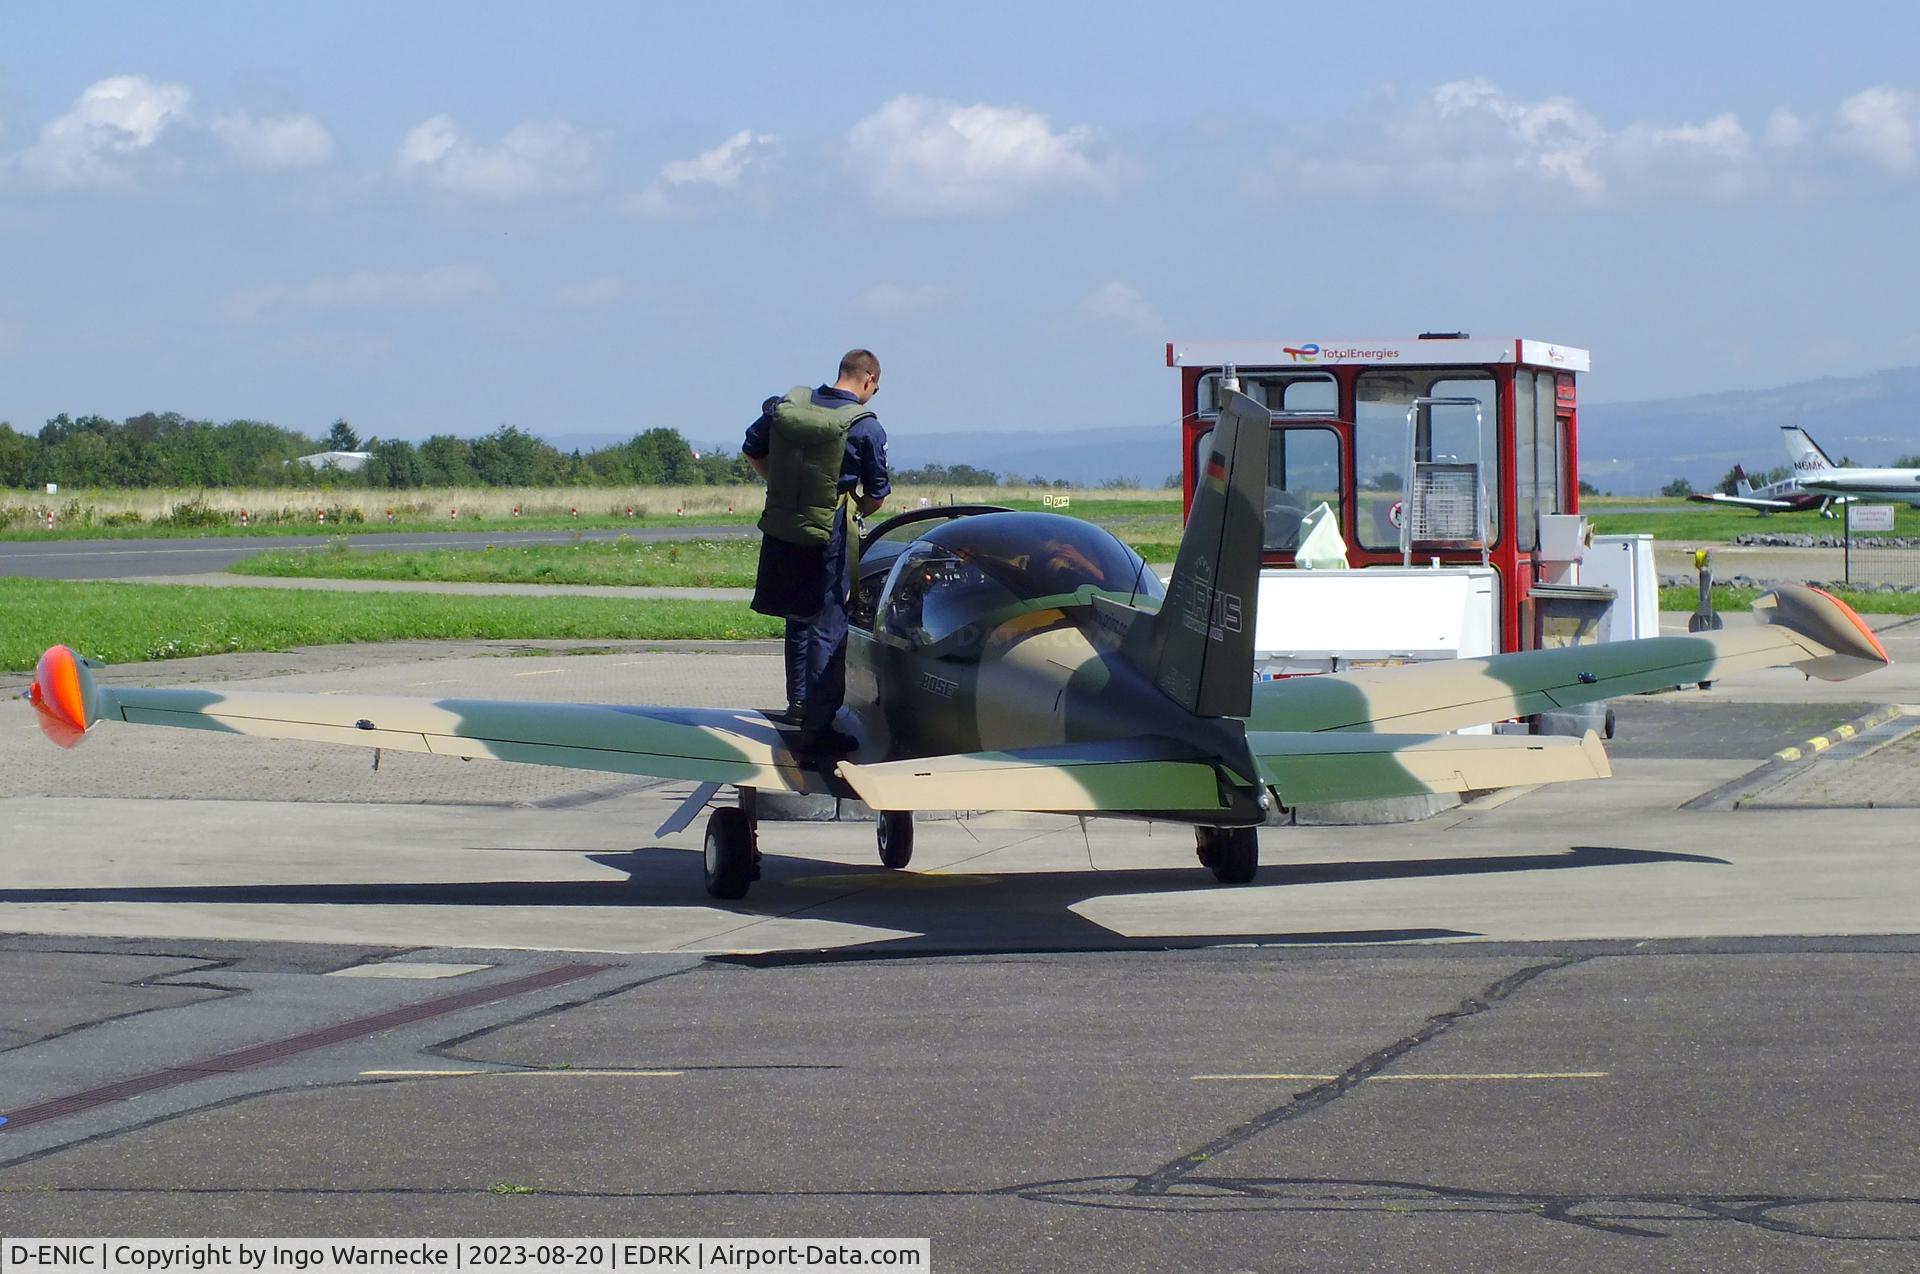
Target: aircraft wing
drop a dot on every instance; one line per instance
(1307, 766)
(1743, 501)
(706, 745)
(1125, 775)
(1798, 626)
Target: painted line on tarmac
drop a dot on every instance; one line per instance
(279, 1050)
(561, 1074)
(1424, 1078)
(540, 672)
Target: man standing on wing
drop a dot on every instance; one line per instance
(823, 454)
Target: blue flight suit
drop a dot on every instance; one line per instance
(806, 580)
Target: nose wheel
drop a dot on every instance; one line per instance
(1232, 854)
(732, 857)
(896, 838)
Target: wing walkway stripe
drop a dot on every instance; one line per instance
(275, 1050)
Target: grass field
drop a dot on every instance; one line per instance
(122, 623)
(678, 563)
(1683, 598)
(172, 513)
(1704, 524)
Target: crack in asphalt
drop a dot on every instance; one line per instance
(1171, 1173)
(159, 981)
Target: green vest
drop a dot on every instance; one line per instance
(803, 467)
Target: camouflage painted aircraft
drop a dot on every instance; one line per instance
(1027, 661)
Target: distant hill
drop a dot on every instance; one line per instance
(1636, 448)
(1627, 448)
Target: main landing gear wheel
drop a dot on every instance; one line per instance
(896, 838)
(732, 860)
(1232, 854)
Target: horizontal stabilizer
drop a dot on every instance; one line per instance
(1307, 767)
(1090, 778)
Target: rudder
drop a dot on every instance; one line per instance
(1201, 642)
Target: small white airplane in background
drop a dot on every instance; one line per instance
(1816, 472)
(1784, 496)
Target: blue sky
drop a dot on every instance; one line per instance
(595, 218)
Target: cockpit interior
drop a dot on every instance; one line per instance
(929, 576)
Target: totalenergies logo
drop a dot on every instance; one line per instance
(1307, 353)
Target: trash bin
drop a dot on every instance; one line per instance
(1571, 615)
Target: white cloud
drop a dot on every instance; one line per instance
(590, 294)
(720, 166)
(1785, 129)
(102, 139)
(533, 158)
(439, 288)
(920, 155)
(127, 128)
(1556, 137)
(1121, 305)
(899, 300)
(1470, 144)
(1882, 125)
(271, 142)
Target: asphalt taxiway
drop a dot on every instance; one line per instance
(1663, 1021)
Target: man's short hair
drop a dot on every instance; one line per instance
(857, 363)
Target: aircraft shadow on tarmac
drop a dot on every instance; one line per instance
(950, 913)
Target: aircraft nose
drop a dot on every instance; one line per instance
(59, 694)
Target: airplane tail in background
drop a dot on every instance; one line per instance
(1200, 646)
(1740, 484)
(1806, 453)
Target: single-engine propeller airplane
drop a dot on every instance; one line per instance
(1030, 661)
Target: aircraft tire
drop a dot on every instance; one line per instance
(1234, 856)
(895, 837)
(1203, 843)
(729, 853)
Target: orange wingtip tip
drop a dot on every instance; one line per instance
(59, 696)
(1858, 622)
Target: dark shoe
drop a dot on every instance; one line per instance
(789, 715)
(827, 743)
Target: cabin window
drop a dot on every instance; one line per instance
(1291, 393)
(1382, 396)
(1303, 471)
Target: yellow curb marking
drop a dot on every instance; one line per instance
(540, 672)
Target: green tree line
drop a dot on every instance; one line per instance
(166, 449)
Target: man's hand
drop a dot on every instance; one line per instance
(868, 505)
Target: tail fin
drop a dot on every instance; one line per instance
(1741, 486)
(1201, 642)
(1806, 453)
